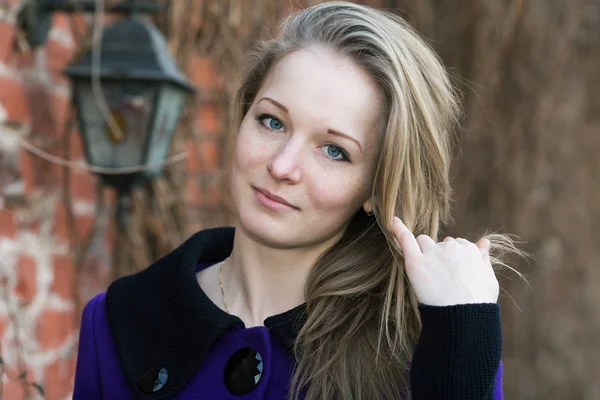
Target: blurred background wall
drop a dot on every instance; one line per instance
(528, 165)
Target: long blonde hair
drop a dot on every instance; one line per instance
(362, 316)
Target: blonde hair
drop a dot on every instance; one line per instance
(362, 316)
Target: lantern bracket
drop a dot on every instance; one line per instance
(35, 18)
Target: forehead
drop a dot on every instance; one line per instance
(326, 87)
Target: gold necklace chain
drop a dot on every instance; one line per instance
(221, 284)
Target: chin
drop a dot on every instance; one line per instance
(268, 232)
(284, 234)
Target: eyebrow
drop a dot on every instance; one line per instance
(338, 133)
(330, 131)
(278, 104)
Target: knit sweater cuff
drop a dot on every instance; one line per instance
(458, 353)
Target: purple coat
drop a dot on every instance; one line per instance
(156, 335)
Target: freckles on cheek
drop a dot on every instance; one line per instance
(331, 196)
(339, 193)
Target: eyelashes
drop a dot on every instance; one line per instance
(332, 151)
(270, 122)
(340, 153)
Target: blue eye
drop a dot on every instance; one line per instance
(275, 124)
(336, 153)
(333, 152)
(270, 122)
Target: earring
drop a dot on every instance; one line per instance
(369, 213)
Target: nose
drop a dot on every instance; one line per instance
(285, 165)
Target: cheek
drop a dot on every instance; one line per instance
(339, 192)
(249, 152)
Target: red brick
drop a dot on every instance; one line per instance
(44, 175)
(63, 275)
(57, 378)
(3, 322)
(49, 110)
(193, 159)
(211, 155)
(11, 386)
(77, 152)
(61, 20)
(208, 119)
(57, 76)
(54, 327)
(8, 227)
(26, 278)
(7, 33)
(202, 72)
(59, 53)
(85, 223)
(24, 61)
(83, 186)
(61, 227)
(203, 156)
(26, 166)
(15, 385)
(13, 98)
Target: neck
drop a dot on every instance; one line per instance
(261, 281)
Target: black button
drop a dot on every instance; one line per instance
(153, 380)
(243, 371)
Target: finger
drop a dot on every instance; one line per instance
(405, 238)
(484, 244)
(425, 243)
(484, 248)
(448, 239)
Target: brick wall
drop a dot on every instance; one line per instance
(38, 314)
(42, 283)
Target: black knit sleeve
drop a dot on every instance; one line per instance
(458, 353)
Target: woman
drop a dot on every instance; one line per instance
(320, 291)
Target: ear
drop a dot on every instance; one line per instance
(368, 206)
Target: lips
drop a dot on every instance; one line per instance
(274, 197)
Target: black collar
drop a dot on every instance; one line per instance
(161, 318)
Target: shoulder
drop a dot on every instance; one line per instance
(94, 315)
(91, 307)
(95, 336)
(159, 318)
(95, 350)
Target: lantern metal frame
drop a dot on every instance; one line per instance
(156, 68)
(152, 65)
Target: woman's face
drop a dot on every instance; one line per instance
(305, 155)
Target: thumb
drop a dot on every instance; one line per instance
(406, 239)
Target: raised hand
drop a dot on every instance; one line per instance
(451, 272)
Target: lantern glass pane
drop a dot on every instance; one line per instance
(115, 121)
(168, 109)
